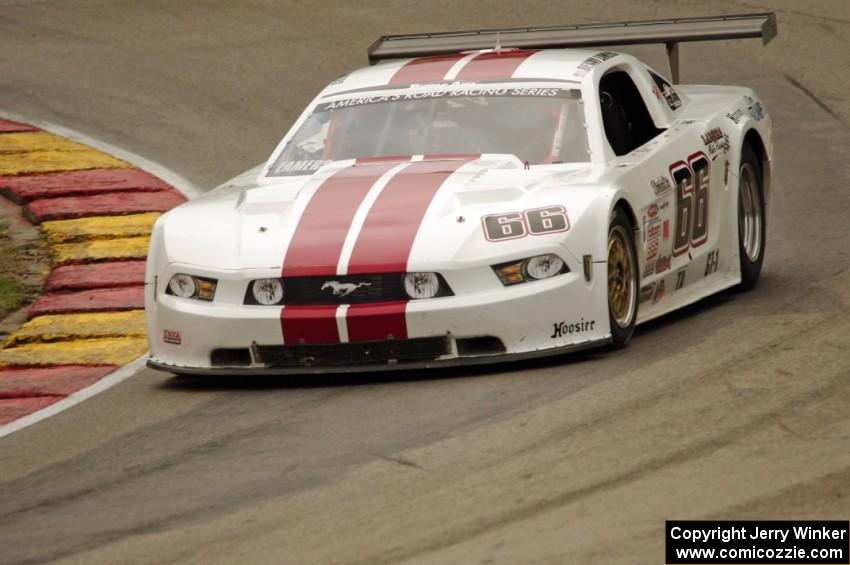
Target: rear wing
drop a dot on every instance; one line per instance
(670, 32)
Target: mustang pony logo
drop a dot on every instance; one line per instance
(343, 289)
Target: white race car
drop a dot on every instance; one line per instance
(472, 197)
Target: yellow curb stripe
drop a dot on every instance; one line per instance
(38, 141)
(109, 351)
(64, 327)
(101, 249)
(100, 227)
(54, 161)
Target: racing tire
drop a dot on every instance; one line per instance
(751, 218)
(622, 279)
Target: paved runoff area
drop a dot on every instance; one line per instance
(736, 408)
(95, 212)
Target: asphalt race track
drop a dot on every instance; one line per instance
(736, 408)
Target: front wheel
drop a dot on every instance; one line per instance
(751, 224)
(622, 280)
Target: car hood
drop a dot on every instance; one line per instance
(250, 223)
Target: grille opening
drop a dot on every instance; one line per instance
(231, 357)
(482, 345)
(353, 353)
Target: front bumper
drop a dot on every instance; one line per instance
(549, 317)
(470, 361)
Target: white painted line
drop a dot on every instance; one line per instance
(185, 187)
(110, 380)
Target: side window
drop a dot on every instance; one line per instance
(668, 92)
(627, 122)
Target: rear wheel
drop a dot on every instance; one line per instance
(751, 220)
(622, 279)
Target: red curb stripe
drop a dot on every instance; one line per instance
(96, 275)
(49, 381)
(109, 204)
(14, 408)
(425, 69)
(309, 324)
(128, 298)
(25, 188)
(494, 65)
(8, 126)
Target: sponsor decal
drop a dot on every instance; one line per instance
(680, 279)
(537, 221)
(662, 264)
(299, 167)
(587, 65)
(671, 97)
(665, 230)
(661, 185)
(659, 292)
(755, 109)
(712, 135)
(717, 142)
(172, 336)
(563, 328)
(649, 269)
(736, 115)
(653, 229)
(343, 289)
(647, 292)
(651, 249)
(712, 260)
(466, 90)
(652, 211)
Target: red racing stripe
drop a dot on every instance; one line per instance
(425, 69)
(493, 65)
(370, 322)
(385, 242)
(316, 246)
(392, 223)
(309, 324)
(317, 243)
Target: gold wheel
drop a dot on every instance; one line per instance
(622, 288)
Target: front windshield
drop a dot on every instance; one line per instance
(540, 125)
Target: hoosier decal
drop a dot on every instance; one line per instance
(563, 328)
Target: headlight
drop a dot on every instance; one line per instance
(544, 266)
(267, 291)
(188, 286)
(421, 285)
(533, 268)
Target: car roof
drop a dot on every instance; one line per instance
(476, 66)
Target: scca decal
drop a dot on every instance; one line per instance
(537, 221)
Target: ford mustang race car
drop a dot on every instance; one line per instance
(472, 197)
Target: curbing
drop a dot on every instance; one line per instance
(95, 206)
